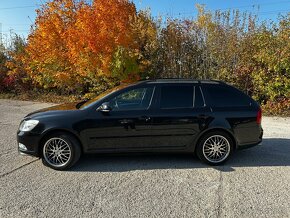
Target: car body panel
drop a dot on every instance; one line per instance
(117, 130)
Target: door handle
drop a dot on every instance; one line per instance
(202, 116)
(145, 118)
(126, 121)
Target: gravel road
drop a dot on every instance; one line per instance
(254, 183)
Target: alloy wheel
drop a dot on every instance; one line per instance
(216, 148)
(57, 152)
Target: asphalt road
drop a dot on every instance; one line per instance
(254, 183)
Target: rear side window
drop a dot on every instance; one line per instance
(226, 96)
(176, 96)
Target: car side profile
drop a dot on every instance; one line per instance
(208, 118)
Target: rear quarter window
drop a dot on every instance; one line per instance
(226, 96)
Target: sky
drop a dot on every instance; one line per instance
(19, 15)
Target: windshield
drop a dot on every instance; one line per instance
(101, 96)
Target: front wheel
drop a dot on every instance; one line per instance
(60, 151)
(215, 147)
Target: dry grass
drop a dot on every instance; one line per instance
(41, 97)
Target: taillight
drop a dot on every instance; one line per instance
(259, 116)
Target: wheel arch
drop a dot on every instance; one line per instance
(216, 129)
(57, 131)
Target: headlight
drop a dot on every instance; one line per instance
(28, 125)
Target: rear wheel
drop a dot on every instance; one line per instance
(60, 151)
(215, 147)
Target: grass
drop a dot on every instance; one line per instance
(50, 97)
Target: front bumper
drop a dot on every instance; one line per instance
(28, 143)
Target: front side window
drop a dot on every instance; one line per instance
(135, 99)
(176, 96)
(101, 96)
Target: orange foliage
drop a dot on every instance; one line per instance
(73, 40)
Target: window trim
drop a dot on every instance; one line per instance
(202, 95)
(136, 109)
(194, 87)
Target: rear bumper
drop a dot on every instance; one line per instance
(252, 144)
(28, 143)
(240, 147)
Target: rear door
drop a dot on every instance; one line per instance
(179, 116)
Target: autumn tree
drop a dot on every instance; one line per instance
(272, 69)
(13, 76)
(73, 42)
(3, 68)
(145, 35)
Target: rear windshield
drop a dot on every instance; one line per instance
(226, 96)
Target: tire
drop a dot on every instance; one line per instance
(215, 147)
(60, 151)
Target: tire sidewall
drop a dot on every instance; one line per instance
(199, 147)
(74, 147)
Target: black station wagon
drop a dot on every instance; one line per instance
(208, 118)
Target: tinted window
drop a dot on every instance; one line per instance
(101, 96)
(132, 100)
(223, 96)
(176, 96)
(198, 99)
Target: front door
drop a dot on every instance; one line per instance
(127, 126)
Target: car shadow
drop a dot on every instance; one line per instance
(273, 152)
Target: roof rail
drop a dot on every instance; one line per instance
(219, 81)
(182, 80)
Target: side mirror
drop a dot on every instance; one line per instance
(105, 107)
